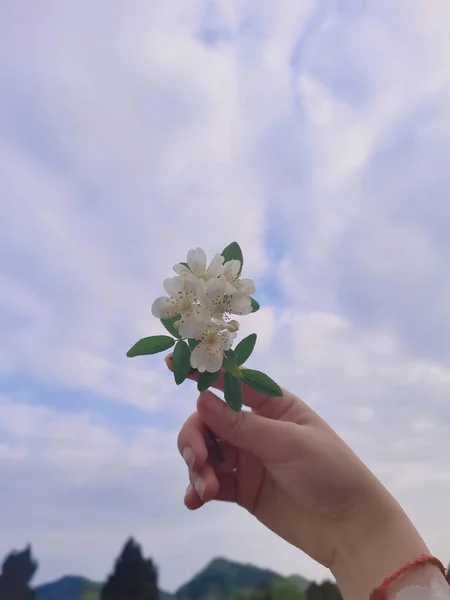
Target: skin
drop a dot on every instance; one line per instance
(306, 485)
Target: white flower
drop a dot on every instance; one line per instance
(231, 270)
(194, 324)
(244, 286)
(196, 261)
(182, 298)
(215, 295)
(208, 354)
(237, 285)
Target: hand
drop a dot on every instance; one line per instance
(288, 468)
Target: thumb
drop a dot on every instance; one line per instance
(265, 438)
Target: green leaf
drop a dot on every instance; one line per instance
(234, 252)
(169, 325)
(261, 382)
(193, 343)
(229, 364)
(151, 345)
(232, 390)
(181, 362)
(206, 380)
(244, 349)
(255, 305)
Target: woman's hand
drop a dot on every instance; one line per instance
(288, 468)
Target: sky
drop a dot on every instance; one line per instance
(317, 135)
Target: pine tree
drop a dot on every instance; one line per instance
(17, 571)
(323, 591)
(133, 578)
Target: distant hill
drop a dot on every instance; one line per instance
(221, 579)
(67, 588)
(77, 588)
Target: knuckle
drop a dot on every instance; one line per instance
(237, 425)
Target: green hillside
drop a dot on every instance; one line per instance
(68, 588)
(223, 579)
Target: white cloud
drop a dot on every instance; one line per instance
(314, 130)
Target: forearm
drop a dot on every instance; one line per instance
(375, 549)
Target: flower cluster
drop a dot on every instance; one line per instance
(198, 312)
(202, 300)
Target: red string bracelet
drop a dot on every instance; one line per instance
(380, 593)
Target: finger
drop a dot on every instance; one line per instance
(266, 438)
(205, 483)
(191, 443)
(194, 447)
(192, 500)
(230, 458)
(227, 492)
(228, 488)
(263, 404)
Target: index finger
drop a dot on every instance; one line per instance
(264, 404)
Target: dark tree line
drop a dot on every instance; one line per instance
(135, 577)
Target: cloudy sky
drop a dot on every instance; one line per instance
(317, 134)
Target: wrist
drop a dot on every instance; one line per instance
(377, 544)
(427, 577)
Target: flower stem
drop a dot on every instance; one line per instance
(214, 446)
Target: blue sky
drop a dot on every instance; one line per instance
(317, 134)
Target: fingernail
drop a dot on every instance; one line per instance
(199, 485)
(214, 405)
(188, 490)
(189, 457)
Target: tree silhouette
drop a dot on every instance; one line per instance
(134, 577)
(323, 591)
(17, 571)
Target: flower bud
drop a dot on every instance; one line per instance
(233, 326)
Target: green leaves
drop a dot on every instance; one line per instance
(244, 349)
(151, 345)
(260, 382)
(206, 380)
(230, 365)
(181, 360)
(255, 305)
(193, 343)
(234, 252)
(169, 324)
(232, 390)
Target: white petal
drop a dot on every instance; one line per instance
(215, 268)
(203, 359)
(193, 327)
(173, 286)
(201, 292)
(196, 260)
(216, 289)
(164, 308)
(231, 269)
(191, 284)
(181, 270)
(246, 286)
(231, 289)
(240, 305)
(227, 339)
